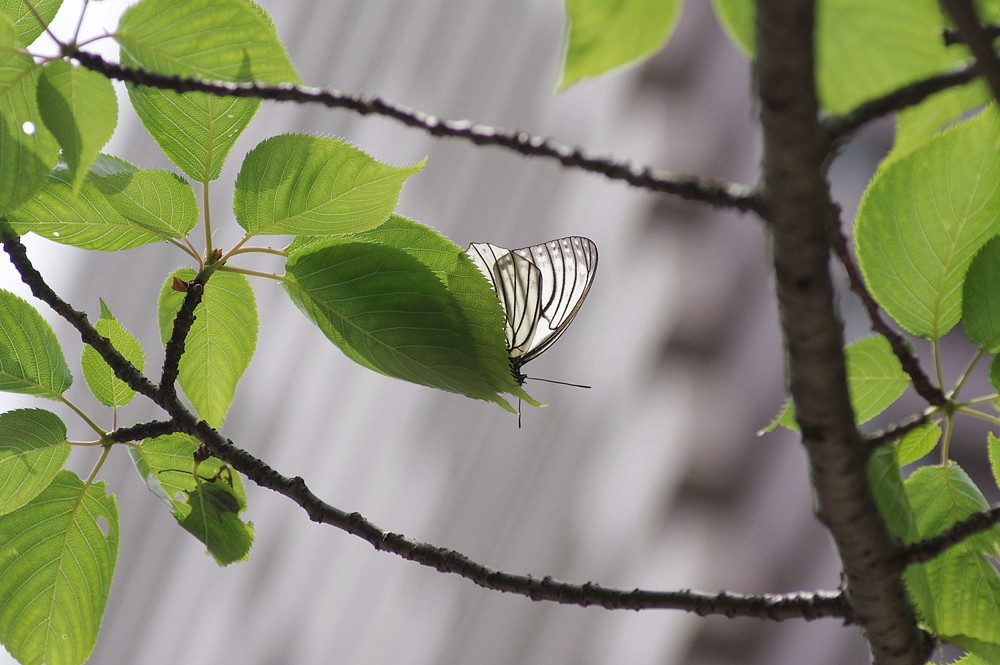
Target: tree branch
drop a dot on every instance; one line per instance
(174, 348)
(900, 348)
(719, 194)
(838, 128)
(963, 13)
(800, 215)
(925, 550)
(775, 607)
(895, 432)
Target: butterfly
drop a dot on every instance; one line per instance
(541, 289)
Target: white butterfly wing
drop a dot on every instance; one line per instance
(566, 269)
(541, 288)
(517, 282)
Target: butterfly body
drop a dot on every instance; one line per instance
(541, 288)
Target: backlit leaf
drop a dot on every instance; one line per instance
(57, 558)
(923, 219)
(31, 360)
(108, 388)
(32, 450)
(313, 185)
(221, 342)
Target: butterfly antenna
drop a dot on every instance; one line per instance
(561, 383)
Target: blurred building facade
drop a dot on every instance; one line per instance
(654, 478)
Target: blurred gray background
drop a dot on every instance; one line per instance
(654, 478)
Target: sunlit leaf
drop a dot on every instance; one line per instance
(221, 342)
(313, 185)
(32, 450)
(602, 35)
(31, 360)
(224, 40)
(57, 558)
(922, 221)
(80, 108)
(27, 148)
(108, 388)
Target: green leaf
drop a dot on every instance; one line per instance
(389, 312)
(225, 40)
(195, 130)
(995, 372)
(208, 506)
(918, 442)
(875, 380)
(81, 110)
(737, 18)
(27, 148)
(864, 49)
(57, 558)
(943, 495)
(918, 124)
(31, 360)
(965, 588)
(26, 24)
(221, 40)
(215, 520)
(993, 449)
(160, 201)
(313, 185)
(890, 495)
(221, 342)
(478, 301)
(108, 388)
(981, 297)
(88, 219)
(32, 450)
(922, 220)
(602, 35)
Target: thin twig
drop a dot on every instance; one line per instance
(926, 550)
(174, 348)
(921, 383)
(895, 432)
(952, 37)
(720, 194)
(839, 127)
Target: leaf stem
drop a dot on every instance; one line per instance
(949, 427)
(186, 246)
(936, 352)
(968, 371)
(98, 465)
(236, 248)
(254, 273)
(94, 426)
(262, 250)
(208, 219)
(979, 414)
